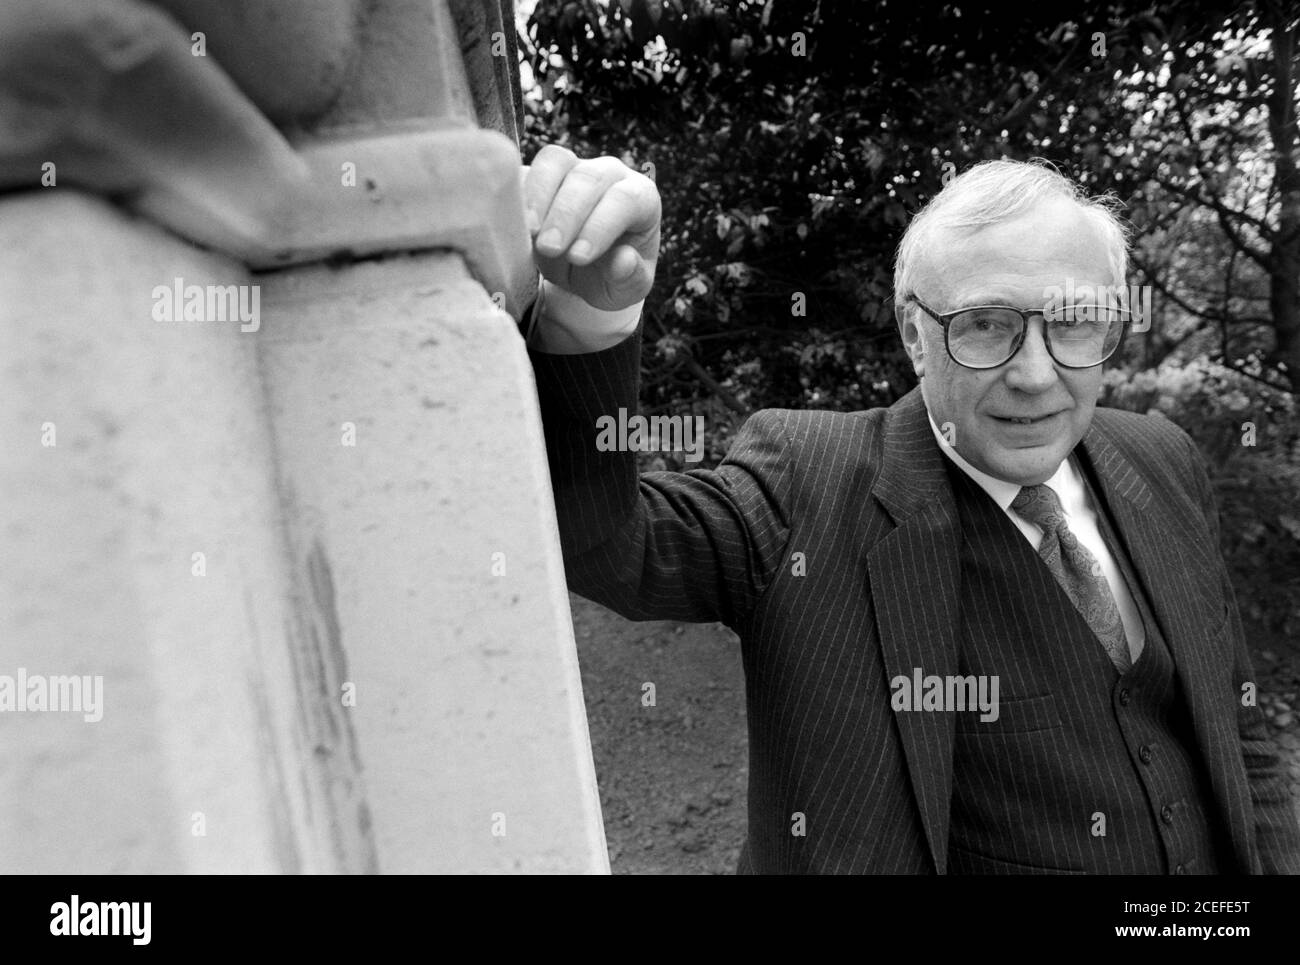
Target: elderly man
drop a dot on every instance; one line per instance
(985, 630)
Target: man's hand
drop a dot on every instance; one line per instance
(595, 227)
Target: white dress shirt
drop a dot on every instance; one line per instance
(1080, 517)
(564, 324)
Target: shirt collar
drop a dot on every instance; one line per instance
(1065, 482)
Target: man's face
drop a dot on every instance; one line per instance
(1012, 263)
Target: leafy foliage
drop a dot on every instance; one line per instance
(791, 141)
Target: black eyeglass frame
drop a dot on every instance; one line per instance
(945, 319)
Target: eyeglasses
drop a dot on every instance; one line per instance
(986, 336)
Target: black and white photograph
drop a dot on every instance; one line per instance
(651, 437)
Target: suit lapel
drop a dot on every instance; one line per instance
(915, 579)
(1150, 535)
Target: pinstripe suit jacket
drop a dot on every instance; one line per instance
(865, 499)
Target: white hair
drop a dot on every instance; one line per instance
(992, 192)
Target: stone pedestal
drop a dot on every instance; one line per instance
(311, 558)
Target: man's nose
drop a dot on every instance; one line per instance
(1032, 369)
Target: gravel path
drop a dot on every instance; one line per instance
(1279, 698)
(673, 775)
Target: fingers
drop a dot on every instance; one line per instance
(584, 207)
(595, 226)
(629, 207)
(543, 180)
(583, 188)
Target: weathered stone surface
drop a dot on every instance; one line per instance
(323, 655)
(412, 191)
(408, 70)
(443, 546)
(491, 57)
(161, 452)
(108, 97)
(291, 57)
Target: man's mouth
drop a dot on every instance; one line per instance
(1025, 420)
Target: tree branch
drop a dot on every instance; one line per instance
(697, 370)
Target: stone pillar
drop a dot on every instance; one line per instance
(313, 557)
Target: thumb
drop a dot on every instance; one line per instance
(628, 273)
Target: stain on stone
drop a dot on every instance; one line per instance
(334, 763)
(271, 762)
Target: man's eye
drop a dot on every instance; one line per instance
(989, 321)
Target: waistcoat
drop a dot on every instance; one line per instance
(1084, 770)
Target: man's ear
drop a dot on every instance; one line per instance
(910, 333)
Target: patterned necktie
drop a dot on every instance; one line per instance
(1076, 570)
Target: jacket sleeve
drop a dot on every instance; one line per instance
(1277, 831)
(696, 546)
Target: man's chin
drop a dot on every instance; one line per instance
(1026, 467)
